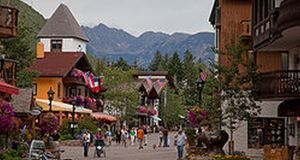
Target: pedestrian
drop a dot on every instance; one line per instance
(181, 141)
(124, 136)
(109, 136)
(86, 138)
(165, 137)
(160, 133)
(118, 136)
(145, 135)
(132, 136)
(140, 136)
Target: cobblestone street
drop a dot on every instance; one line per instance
(117, 152)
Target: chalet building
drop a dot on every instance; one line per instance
(151, 95)
(62, 64)
(271, 29)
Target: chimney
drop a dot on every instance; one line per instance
(40, 50)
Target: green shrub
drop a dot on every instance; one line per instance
(191, 135)
(10, 154)
(66, 137)
(87, 123)
(231, 157)
(64, 127)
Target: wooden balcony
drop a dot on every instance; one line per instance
(280, 85)
(74, 81)
(280, 30)
(8, 21)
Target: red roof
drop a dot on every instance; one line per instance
(7, 88)
(56, 64)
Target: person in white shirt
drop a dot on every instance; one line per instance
(86, 138)
(180, 140)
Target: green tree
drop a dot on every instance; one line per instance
(171, 108)
(175, 68)
(20, 49)
(156, 63)
(165, 62)
(121, 63)
(189, 78)
(237, 88)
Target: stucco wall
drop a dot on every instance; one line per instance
(68, 45)
(44, 84)
(269, 109)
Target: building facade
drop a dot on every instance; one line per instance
(271, 28)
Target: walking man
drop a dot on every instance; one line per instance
(180, 140)
(140, 136)
(86, 138)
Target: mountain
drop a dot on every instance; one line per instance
(112, 43)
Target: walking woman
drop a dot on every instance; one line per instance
(86, 138)
(132, 136)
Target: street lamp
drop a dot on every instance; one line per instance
(200, 84)
(73, 116)
(50, 98)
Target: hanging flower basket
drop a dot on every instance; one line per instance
(49, 123)
(142, 109)
(8, 121)
(152, 112)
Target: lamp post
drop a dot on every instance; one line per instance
(73, 117)
(200, 84)
(50, 98)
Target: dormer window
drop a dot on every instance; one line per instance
(56, 45)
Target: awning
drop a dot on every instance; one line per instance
(156, 118)
(289, 108)
(59, 106)
(103, 116)
(7, 88)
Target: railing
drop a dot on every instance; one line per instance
(74, 80)
(280, 85)
(8, 21)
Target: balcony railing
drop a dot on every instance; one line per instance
(8, 21)
(74, 80)
(280, 85)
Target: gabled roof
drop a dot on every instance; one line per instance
(22, 101)
(62, 24)
(59, 64)
(212, 17)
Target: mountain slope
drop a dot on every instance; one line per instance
(113, 43)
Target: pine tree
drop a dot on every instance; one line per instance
(121, 63)
(175, 68)
(156, 62)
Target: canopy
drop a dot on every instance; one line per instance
(59, 106)
(103, 116)
(289, 108)
(7, 88)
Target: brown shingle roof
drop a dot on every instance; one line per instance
(22, 101)
(62, 24)
(57, 64)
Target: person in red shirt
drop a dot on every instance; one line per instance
(140, 136)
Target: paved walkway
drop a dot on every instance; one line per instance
(117, 152)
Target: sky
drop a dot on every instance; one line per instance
(136, 16)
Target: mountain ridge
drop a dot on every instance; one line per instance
(112, 43)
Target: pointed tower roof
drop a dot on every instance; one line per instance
(62, 24)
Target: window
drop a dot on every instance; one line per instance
(262, 131)
(285, 61)
(58, 89)
(56, 45)
(34, 89)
